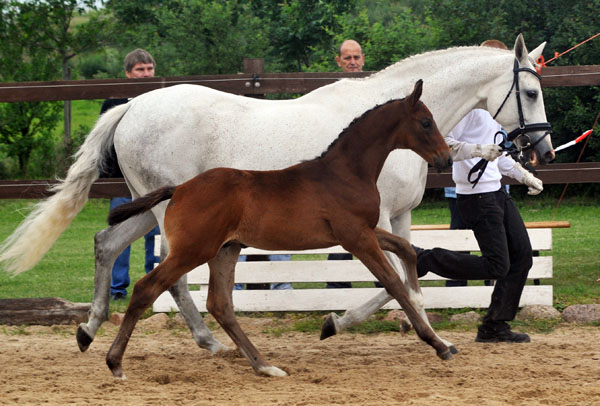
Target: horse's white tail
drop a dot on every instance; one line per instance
(41, 228)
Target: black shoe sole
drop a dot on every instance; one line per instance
(501, 340)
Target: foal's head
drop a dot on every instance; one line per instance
(419, 132)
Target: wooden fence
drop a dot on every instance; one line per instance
(255, 82)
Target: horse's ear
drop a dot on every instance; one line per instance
(416, 93)
(535, 54)
(521, 49)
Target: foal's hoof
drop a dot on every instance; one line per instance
(453, 349)
(84, 339)
(445, 355)
(328, 328)
(271, 371)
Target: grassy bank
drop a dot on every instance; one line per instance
(67, 270)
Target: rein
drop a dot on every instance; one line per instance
(509, 144)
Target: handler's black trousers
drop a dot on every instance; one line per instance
(505, 248)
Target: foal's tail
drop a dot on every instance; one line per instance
(41, 228)
(140, 205)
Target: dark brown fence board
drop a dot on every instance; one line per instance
(565, 76)
(245, 83)
(587, 172)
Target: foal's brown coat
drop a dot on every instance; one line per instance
(330, 200)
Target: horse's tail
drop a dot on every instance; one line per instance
(140, 205)
(41, 228)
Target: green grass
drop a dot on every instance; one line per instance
(84, 114)
(67, 270)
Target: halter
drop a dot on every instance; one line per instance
(509, 144)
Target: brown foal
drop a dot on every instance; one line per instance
(332, 199)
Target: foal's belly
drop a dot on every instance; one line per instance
(287, 234)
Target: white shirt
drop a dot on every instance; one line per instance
(477, 127)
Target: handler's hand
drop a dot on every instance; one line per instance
(489, 152)
(535, 184)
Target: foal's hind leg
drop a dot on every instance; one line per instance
(401, 247)
(145, 292)
(219, 303)
(368, 251)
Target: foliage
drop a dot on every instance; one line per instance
(24, 127)
(189, 37)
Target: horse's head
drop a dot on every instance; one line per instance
(516, 98)
(421, 132)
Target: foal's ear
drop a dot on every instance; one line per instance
(416, 93)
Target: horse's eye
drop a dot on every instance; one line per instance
(532, 94)
(426, 123)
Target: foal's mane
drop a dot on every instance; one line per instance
(357, 120)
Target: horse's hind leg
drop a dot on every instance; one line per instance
(401, 247)
(368, 251)
(220, 304)
(108, 244)
(201, 333)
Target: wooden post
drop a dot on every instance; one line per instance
(255, 66)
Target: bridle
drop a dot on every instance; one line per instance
(510, 142)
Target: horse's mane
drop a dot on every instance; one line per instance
(438, 52)
(358, 119)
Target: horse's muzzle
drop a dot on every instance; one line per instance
(442, 163)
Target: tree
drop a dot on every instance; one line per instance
(24, 126)
(192, 37)
(51, 27)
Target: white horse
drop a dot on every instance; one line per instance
(200, 128)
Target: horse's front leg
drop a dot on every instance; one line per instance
(220, 304)
(108, 244)
(402, 248)
(370, 254)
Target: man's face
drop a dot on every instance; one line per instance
(141, 70)
(351, 59)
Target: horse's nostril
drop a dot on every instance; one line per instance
(549, 156)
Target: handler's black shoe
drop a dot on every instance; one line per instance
(118, 296)
(503, 336)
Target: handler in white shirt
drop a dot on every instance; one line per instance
(494, 218)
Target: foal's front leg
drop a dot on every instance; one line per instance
(220, 304)
(402, 248)
(370, 254)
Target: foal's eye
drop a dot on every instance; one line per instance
(532, 94)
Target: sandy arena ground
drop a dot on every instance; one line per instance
(45, 366)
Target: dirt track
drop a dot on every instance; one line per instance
(167, 368)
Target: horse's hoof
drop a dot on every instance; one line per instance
(272, 371)
(83, 338)
(453, 350)
(446, 355)
(218, 349)
(328, 327)
(405, 326)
